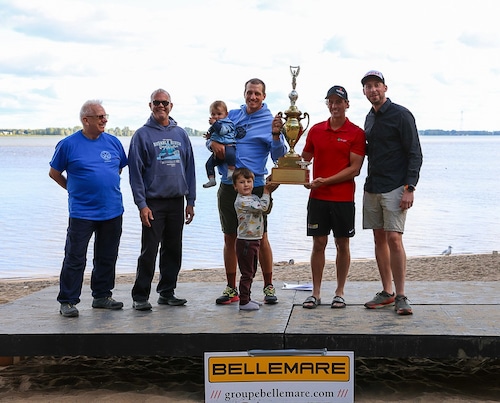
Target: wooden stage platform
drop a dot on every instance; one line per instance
(450, 320)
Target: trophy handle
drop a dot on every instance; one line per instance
(280, 115)
(305, 115)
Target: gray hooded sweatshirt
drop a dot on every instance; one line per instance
(161, 163)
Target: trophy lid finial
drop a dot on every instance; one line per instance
(295, 70)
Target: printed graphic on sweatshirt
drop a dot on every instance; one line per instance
(168, 150)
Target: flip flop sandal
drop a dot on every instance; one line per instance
(311, 302)
(338, 302)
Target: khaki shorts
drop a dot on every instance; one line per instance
(381, 210)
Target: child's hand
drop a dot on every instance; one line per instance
(270, 187)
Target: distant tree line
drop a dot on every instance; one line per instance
(194, 132)
(66, 131)
(457, 133)
(126, 131)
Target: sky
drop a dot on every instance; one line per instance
(440, 58)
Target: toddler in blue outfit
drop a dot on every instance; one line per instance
(222, 131)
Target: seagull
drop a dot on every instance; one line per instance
(447, 252)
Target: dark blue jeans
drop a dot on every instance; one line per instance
(106, 243)
(166, 229)
(213, 161)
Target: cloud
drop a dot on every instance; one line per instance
(62, 53)
(60, 21)
(481, 40)
(47, 92)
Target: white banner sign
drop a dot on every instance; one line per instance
(281, 376)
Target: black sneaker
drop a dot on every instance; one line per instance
(171, 300)
(68, 310)
(270, 294)
(141, 305)
(106, 303)
(228, 296)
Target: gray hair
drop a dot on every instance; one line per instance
(159, 91)
(88, 106)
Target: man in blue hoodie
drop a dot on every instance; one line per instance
(162, 175)
(252, 152)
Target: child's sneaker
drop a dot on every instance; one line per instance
(211, 182)
(229, 295)
(230, 173)
(270, 294)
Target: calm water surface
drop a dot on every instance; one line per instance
(456, 203)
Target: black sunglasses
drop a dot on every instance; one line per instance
(164, 103)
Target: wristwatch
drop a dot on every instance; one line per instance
(410, 188)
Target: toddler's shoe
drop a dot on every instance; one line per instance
(211, 182)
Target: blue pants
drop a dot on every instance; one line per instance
(106, 243)
(166, 229)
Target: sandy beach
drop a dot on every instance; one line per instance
(173, 379)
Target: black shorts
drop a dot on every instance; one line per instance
(325, 216)
(226, 195)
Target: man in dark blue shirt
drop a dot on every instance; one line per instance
(394, 161)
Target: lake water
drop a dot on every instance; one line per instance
(456, 203)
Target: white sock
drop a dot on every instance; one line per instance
(251, 306)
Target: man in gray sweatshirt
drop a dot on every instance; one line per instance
(162, 176)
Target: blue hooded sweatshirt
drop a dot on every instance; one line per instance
(161, 163)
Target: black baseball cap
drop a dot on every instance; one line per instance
(337, 90)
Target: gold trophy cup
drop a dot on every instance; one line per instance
(291, 169)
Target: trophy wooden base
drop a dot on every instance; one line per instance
(290, 176)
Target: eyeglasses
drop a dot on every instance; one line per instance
(100, 117)
(164, 103)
